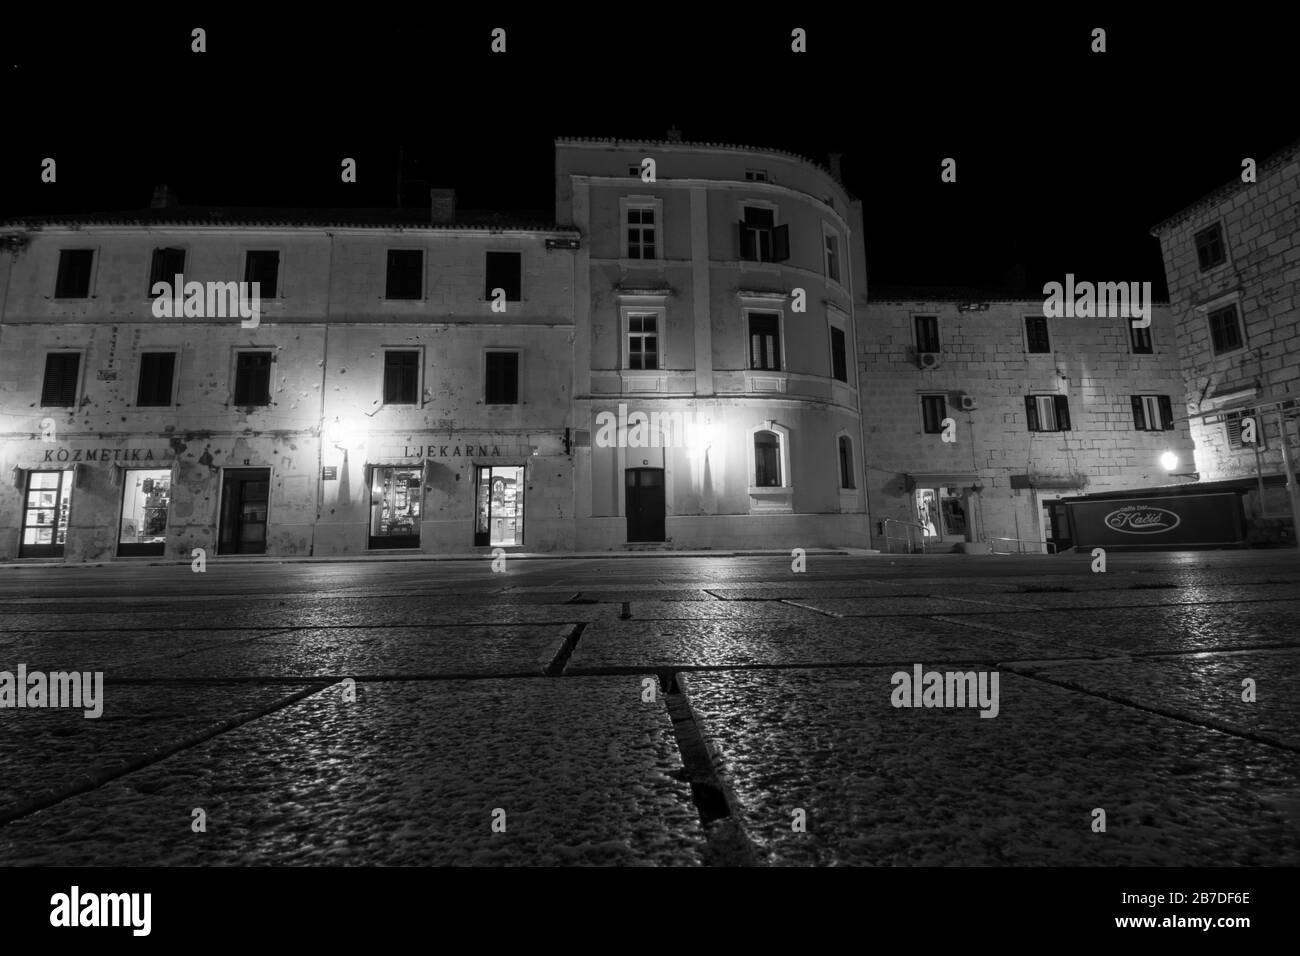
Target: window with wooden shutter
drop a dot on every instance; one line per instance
(401, 377)
(405, 274)
(1139, 413)
(502, 378)
(157, 370)
(59, 387)
(1031, 412)
(263, 267)
(166, 266)
(1062, 413)
(73, 278)
(253, 378)
(1166, 412)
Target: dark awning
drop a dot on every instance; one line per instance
(941, 479)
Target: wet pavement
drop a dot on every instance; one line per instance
(660, 710)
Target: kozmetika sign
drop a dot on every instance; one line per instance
(64, 455)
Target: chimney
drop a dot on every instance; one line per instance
(442, 205)
(163, 198)
(835, 166)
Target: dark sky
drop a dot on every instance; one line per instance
(1065, 158)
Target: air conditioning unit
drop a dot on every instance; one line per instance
(928, 359)
(967, 403)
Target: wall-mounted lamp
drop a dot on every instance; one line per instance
(1169, 461)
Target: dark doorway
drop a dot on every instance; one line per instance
(645, 504)
(1058, 526)
(244, 496)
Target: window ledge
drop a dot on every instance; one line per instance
(784, 491)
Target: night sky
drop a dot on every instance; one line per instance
(1065, 158)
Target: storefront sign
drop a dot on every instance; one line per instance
(441, 451)
(65, 455)
(1187, 520)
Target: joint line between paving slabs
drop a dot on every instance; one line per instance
(97, 779)
(1180, 718)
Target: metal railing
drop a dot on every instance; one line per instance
(993, 549)
(890, 537)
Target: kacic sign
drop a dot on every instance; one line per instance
(1210, 520)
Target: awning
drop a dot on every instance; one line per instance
(1048, 482)
(941, 479)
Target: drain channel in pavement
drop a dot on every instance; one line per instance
(727, 843)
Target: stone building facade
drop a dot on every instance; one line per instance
(383, 397)
(1037, 409)
(1232, 261)
(717, 303)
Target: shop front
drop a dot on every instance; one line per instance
(75, 501)
(443, 495)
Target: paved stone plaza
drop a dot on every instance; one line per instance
(653, 709)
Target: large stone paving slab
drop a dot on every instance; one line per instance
(1200, 687)
(717, 643)
(117, 652)
(327, 653)
(1160, 629)
(410, 773)
(896, 786)
(301, 613)
(356, 652)
(48, 750)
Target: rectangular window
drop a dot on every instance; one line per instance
(502, 378)
(839, 355)
(1152, 413)
(934, 409)
(1036, 339)
(1141, 340)
(642, 340)
(166, 266)
(832, 257)
(767, 460)
(146, 496)
(846, 463)
(157, 371)
(927, 333)
(505, 271)
(252, 378)
(264, 267)
(761, 239)
(59, 387)
(48, 506)
(1210, 250)
(1225, 330)
(1047, 413)
(395, 498)
(1238, 430)
(765, 341)
(73, 280)
(756, 175)
(641, 233)
(405, 274)
(401, 377)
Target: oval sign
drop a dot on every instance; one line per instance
(1137, 519)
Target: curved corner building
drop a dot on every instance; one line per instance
(715, 393)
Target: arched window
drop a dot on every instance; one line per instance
(767, 460)
(846, 462)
